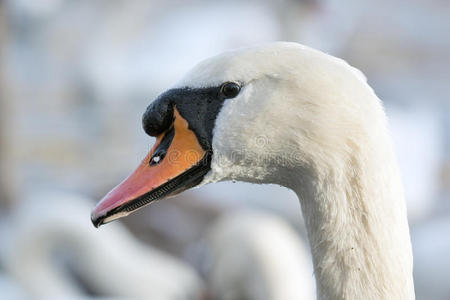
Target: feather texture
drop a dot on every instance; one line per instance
(310, 122)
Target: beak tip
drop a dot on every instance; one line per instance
(96, 220)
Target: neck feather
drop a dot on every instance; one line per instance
(356, 221)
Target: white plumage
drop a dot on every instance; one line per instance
(326, 138)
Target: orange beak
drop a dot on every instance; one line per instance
(176, 162)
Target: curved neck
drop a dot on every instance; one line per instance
(357, 227)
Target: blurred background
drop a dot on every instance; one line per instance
(76, 77)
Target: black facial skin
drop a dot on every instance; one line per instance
(199, 107)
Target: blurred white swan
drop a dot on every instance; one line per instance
(257, 256)
(52, 251)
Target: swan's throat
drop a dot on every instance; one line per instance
(358, 234)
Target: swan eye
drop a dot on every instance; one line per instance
(230, 89)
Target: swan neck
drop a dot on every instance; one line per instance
(358, 231)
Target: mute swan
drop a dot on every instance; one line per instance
(44, 245)
(286, 114)
(257, 256)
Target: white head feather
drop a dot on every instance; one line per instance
(309, 121)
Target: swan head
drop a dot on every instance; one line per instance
(255, 114)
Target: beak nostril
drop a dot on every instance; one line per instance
(156, 158)
(163, 147)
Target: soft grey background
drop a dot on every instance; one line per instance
(76, 76)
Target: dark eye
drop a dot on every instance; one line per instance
(230, 89)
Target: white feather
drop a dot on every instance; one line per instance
(309, 121)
